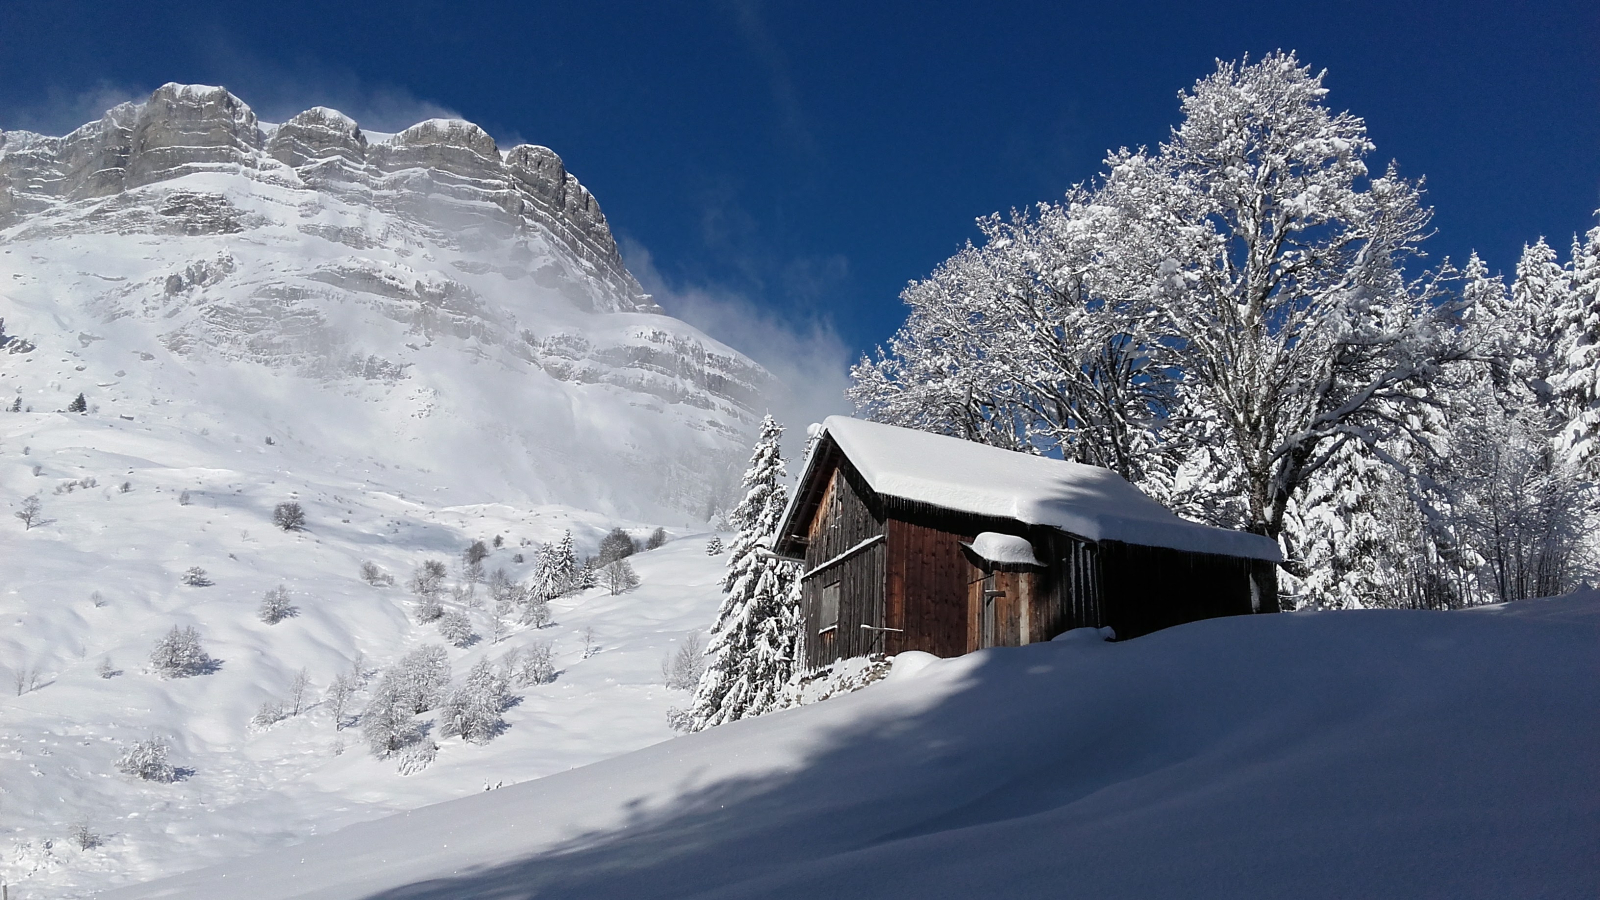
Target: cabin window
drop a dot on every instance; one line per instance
(829, 617)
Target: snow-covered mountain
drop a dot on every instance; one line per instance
(313, 282)
(424, 341)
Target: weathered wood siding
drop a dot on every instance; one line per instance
(842, 521)
(927, 589)
(1145, 589)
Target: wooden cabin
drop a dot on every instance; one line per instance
(916, 541)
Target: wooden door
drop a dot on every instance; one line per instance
(996, 603)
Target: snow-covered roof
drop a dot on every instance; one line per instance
(1088, 501)
(1004, 549)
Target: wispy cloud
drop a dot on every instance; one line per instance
(807, 357)
(61, 110)
(785, 98)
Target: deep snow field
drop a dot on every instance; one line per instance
(1370, 754)
(251, 790)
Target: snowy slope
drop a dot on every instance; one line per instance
(1356, 754)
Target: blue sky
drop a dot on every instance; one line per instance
(777, 171)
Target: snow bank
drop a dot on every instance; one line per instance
(1359, 754)
(1088, 501)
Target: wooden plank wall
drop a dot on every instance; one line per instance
(928, 574)
(1149, 588)
(843, 519)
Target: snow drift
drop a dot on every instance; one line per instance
(1362, 754)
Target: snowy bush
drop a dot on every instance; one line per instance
(476, 552)
(84, 836)
(456, 628)
(106, 669)
(428, 608)
(427, 583)
(179, 654)
(195, 576)
(275, 606)
(658, 539)
(535, 665)
(473, 710)
(619, 577)
(416, 757)
(271, 713)
(535, 611)
(289, 516)
(183, 498)
(681, 670)
(714, 546)
(375, 576)
(147, 760)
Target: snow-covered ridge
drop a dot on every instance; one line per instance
(183, 129)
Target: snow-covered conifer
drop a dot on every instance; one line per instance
(714, 546)
(755, 640)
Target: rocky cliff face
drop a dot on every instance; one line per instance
(379, 265)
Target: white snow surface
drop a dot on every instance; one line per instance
(1354, 754)
(1088, 501)
(1005, 549)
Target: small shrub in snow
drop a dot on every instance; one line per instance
(499, 542)
(106, 669)
(289, 516)
(31, 512)
(714, 546)
(147, 760)
(614, 546)
(476, 552)
(375, 576)
(681, 671)
(127, 486)
(97, 599)
(26, 679)
(83, 836)
(518, 558)
(591, 644)
(275, 606)
(456, 628)
(197, 577)
(658, 539)
(271, 713)
(79, 404)
(473, 710)
(619, 577)
(416, 757)
(179, 654)
(183, 498)
(535, 665)
(428, 608)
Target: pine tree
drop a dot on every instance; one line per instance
(79, 404)
(1577, 375)
(754, 644)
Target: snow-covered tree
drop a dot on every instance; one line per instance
(755, 641)
(1576, 376)
(178, 654)
(456, 628)
(714, 546)
(147, 759)
(31, 512)
(619, 577)
(473, 710)
(275, 606)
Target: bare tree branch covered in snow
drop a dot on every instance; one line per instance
(178, 654)
(619, 577)
(31, 512)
